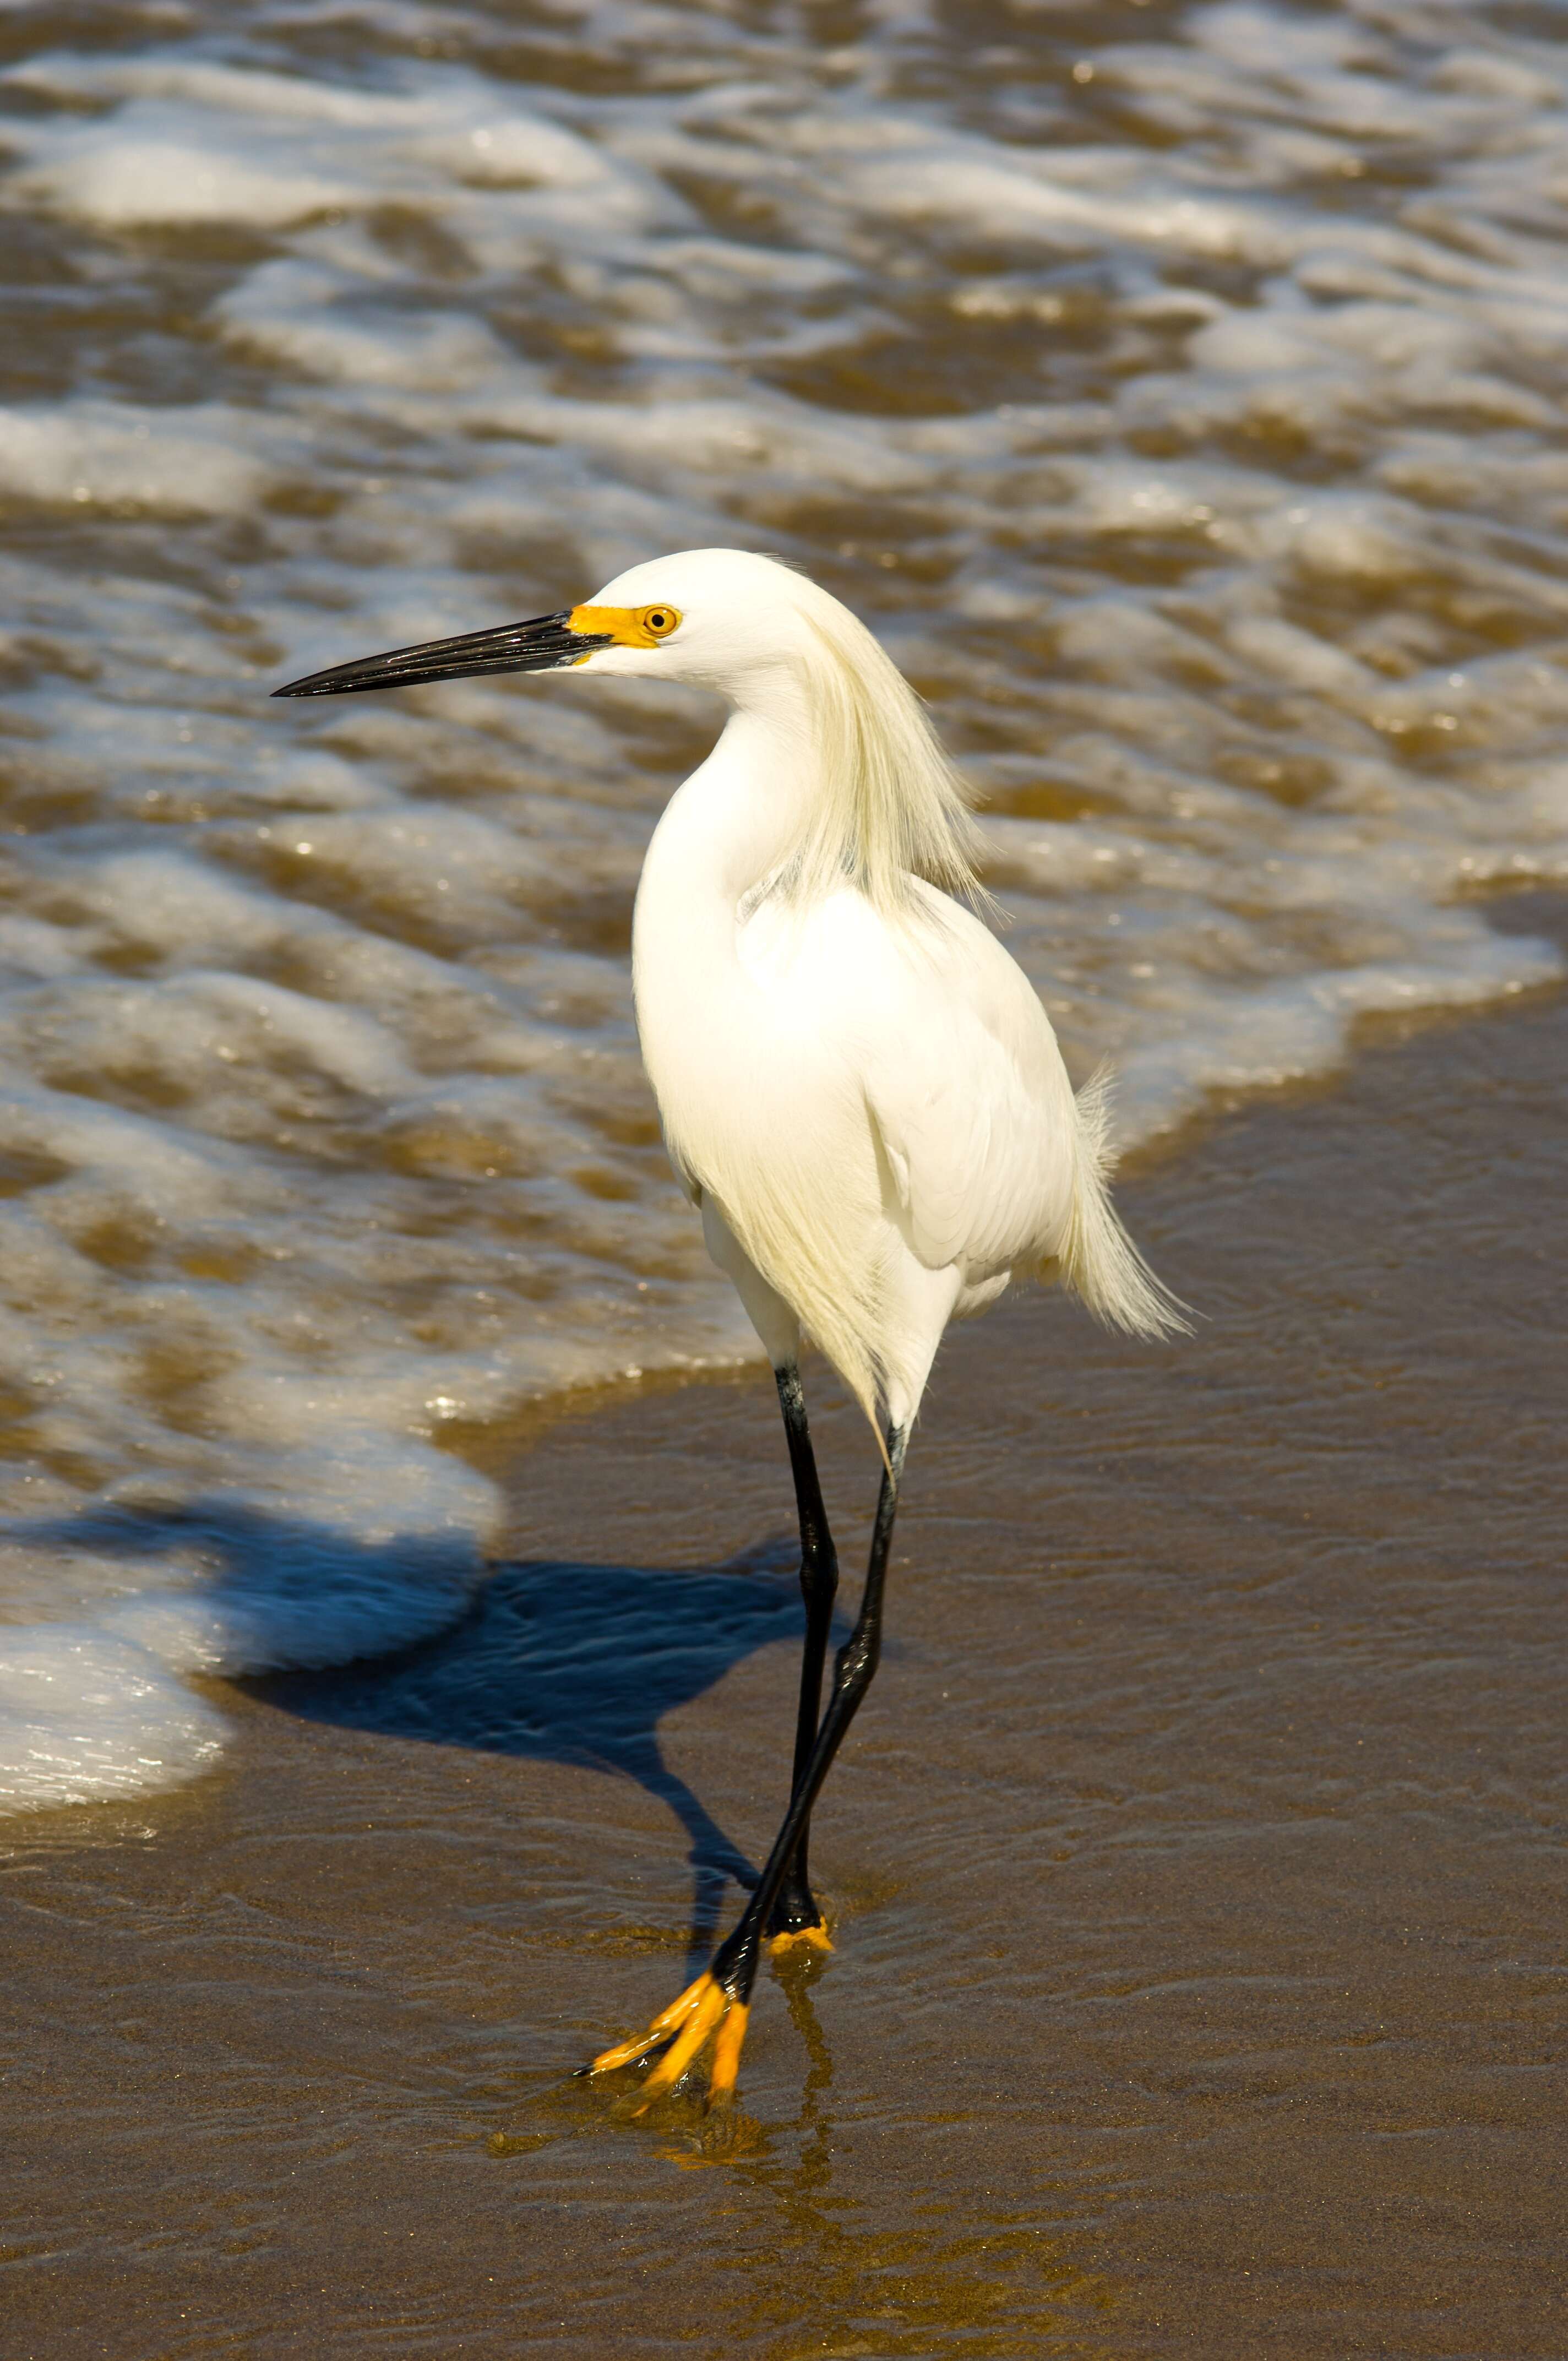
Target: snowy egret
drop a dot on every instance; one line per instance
(858, 1088)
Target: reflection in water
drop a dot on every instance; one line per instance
(798, 1972)
(863, 2288)
(803, 2270)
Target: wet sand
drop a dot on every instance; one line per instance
(1197, 1866)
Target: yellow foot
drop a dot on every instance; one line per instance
(799, 1939)
(705, 2010)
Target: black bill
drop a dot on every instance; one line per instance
(542, 645)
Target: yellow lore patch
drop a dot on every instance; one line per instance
(628, 627)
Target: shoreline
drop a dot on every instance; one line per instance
(1196, 1860)
(1531, 910)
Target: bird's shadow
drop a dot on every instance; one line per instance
(554, 1661)
(565, 1663)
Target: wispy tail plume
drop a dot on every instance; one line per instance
(1100, 1262)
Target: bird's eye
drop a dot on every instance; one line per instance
(659, 622)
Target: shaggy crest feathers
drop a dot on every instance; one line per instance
(889, 807)
(1098, 1260)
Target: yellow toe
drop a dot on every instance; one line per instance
(727, 2055)
(701, 2022)
(800, 1938)
(705, 2010)
(626, 2053)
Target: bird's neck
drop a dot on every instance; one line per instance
(721, 837)
(726, 830)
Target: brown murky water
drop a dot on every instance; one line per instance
(1198, 1864)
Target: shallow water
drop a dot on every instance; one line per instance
(1196, 1864)
(1175, 389)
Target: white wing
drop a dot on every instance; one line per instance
(963, 1081)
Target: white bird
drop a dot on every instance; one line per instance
(859, 1087)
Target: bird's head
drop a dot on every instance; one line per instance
(879, 801)
(711, 616)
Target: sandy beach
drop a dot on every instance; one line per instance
(399, 1613)
(1196, 1867)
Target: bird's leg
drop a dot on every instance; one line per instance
(718, 2002)
(795, 1917)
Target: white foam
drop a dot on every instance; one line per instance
(96, 1711)
(165, 183)
(350, 1542)
(86, 1717)
(194, 144)
(766, 435)
(515, 150)
(201, 461)
(282, 314)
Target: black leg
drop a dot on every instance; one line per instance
(734, 1969)
(717, 2005)
(795, 1910)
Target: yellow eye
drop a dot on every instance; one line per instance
(659, 622)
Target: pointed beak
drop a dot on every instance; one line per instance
(546, 644)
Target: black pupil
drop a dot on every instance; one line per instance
(658, 619)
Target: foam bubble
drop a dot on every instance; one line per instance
(359, 1549)
(282, 314)
(158, 183)
(201, 461)
(86, 1717)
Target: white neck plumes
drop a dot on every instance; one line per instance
(873, 801)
